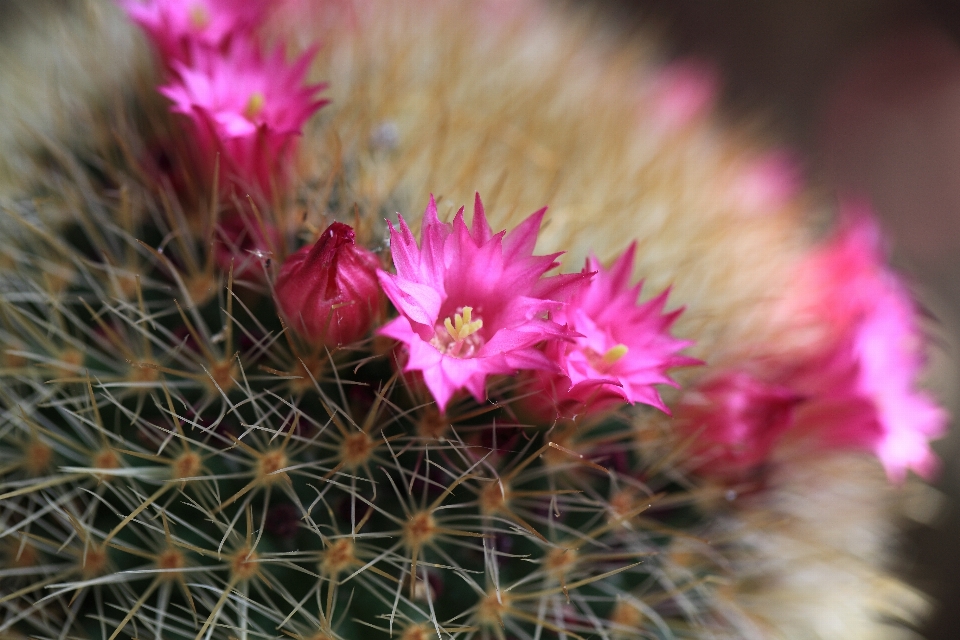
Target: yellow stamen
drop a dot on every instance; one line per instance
(614, 354)
(199, 17)
(254, 105)
(462, 327)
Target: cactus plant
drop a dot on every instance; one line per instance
(215, 426)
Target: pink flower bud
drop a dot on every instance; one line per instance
(328, 293)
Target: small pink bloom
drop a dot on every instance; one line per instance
(472, 303)
(246, 107)
(176, 27)
(768, 182)
(328, 292)
(684, 91)
(841, 281)
(862, 387)
(622, 350)
(734, 420)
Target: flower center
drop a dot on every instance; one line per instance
(254, 105)
(610, 357)
(458, 337)
(199, 18)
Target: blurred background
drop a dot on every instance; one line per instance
(867, 94)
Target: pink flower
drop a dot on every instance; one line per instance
(767, 183)
(622, 350)
(472, 303)
(328, 292)
(862, 385)
(734, 420)
(247, 108)
(684, 91)
(177, 26)
(839, 283)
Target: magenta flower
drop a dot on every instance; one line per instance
(842, 281)
(176, 27)
(247, 108)
(622, 350)
(328, 292)
(862, 387)
(767, 183)
(734, 421)
(684, 91)
(471, 303)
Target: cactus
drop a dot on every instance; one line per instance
(188, 450)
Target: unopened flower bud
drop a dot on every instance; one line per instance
(329, 292)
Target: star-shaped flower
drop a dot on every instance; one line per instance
(473, 303)
(247, 107)
(623, 348)
(867, 372)
(176, 27)
(734, 420)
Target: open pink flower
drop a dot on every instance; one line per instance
(734, 421)
(471, 303)
(176, 27)
(862, 386)
(843, 280)
(246, 107)
(623, 348)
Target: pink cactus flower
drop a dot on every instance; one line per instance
(863, 388)
(839, 283)
(734, 420)
(177, 27)
(328, 292)
(471, 303)
(685, 91)
(246, 107)
(623, 348)
(768, 182)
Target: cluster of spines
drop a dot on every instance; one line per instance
(178, 464)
